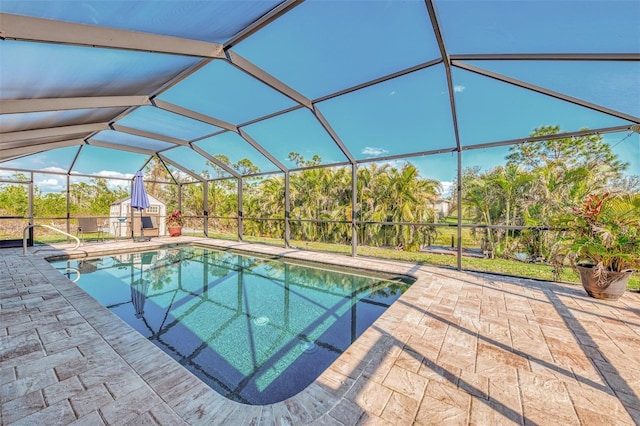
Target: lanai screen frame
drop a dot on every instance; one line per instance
(24, 28)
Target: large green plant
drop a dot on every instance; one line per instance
(605, 232)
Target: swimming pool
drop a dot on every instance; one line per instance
(256, 330)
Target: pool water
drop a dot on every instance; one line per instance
(256, 330)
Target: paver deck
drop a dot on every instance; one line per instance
(456, 348)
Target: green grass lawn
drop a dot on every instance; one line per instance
(499, 266)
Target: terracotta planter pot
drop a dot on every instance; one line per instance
(175, 231)
(609, 287)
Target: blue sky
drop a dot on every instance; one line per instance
(322, 47)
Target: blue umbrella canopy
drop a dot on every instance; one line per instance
(139, 295)
(139, 197)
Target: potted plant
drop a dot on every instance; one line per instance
(604, 242)
(174, 223)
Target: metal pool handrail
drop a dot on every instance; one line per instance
(77, 271)
(24, 238)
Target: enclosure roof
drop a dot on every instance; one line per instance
(99, 87)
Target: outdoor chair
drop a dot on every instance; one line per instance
(89, 225)
(149, 226)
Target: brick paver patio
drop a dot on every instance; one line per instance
(456, 348)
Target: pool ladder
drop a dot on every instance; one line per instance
(24, 238)
(74, 270)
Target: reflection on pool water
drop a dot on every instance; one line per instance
(256, 330)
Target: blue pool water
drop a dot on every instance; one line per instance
(256, 330)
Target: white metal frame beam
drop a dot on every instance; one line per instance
(336, 139)
(579, 133)
(263, 21)
(120, 147)
(24, 135)
(149, 135)
(16, 106)
(181, 168)
(7, 154)
(542, 90)
(194, 115)
(433, 17)
(215, 161)
(27, 28)
(546, 57)
(251, 69)
(380, 80)
(244, 135)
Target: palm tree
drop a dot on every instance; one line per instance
(272, 203)
(483, 202)
(369, 180)
(514, 184)
(389, 194)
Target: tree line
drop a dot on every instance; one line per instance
(92, 198)
(538, 181)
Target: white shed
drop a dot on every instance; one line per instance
(442, 207)
(120, 214)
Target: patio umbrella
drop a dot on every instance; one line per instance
(139, 198)
(139, 295)
(140, 287)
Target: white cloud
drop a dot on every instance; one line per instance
(112, 174)
(458, 88)
(370, 150)
(391, 163)
(54, 169)
(50, 185)
(48, 182)
(447, 188)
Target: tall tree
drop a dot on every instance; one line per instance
(567, 165)
(14, 198)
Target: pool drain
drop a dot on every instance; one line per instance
(308, 347)
(261, 321)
